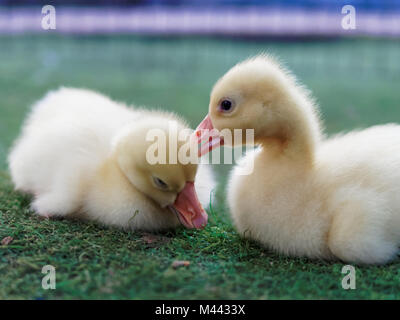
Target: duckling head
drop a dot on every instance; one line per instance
(168, 183)
(260, 94)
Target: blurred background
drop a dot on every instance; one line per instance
(168, 54)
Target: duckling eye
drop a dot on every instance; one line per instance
(159, 183)
(225, 105)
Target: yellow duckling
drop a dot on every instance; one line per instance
(308, 195)
(83, 155)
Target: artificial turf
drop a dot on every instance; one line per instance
(355, 81)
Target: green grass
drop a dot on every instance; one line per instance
(356, 82)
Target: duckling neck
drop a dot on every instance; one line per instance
(296, 140)
(111, 175)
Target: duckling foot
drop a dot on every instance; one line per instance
(42, 207)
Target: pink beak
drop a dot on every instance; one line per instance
(208, 138)
(188, 208)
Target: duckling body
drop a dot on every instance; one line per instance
(83, 155)
(346, 205)
(308, 195)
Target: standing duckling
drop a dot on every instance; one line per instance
(83, 155)
(308, 195)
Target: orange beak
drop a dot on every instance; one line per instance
(208, 138)
(188, 208)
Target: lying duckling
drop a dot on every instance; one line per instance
(83, 155)
(310, 196)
